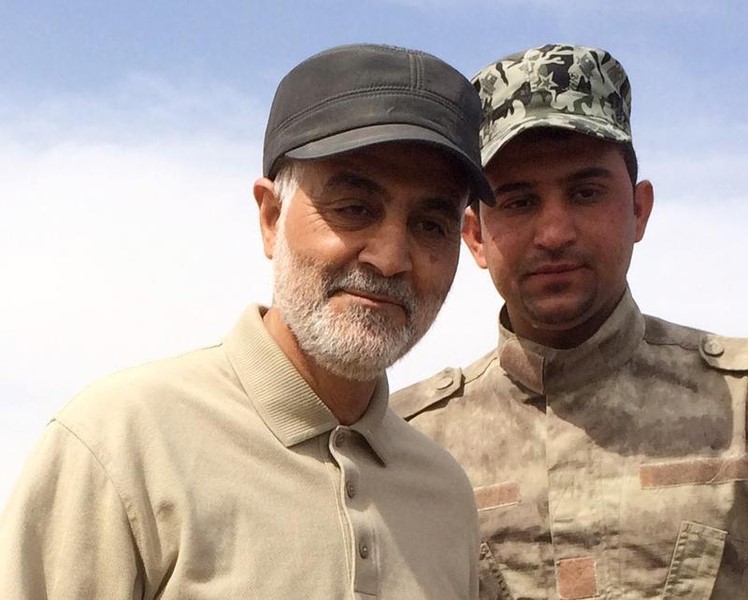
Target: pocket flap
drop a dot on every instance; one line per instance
(497, 494)
(691, 472)
(695, 564)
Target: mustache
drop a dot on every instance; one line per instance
(543, 258)
(368, 282)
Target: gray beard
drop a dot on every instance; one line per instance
(358, 343)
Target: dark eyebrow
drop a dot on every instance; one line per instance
(512, 187)
(348, 179)
(448, 208)
(589, 173)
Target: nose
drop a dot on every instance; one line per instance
(388, 249)
(555, 227)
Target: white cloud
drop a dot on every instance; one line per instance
(121, 246)
(690, 266)
(124, 236)
(139, 107)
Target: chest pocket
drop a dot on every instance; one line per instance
(696, 560)
(697, 555)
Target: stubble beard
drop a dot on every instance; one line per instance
(356, 343)
(556, 312)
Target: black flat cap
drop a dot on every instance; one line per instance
(360, 95)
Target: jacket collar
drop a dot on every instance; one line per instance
(547, 370)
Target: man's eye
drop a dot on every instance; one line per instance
(432, 227)
(352, 210)
(437, 228)
(586, 195)
(518, 203)
(350, 214)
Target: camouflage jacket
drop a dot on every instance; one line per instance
(617, 469)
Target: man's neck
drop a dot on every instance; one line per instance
(346, 399)
(561, 336)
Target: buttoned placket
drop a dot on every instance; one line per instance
(583, 494)
(343, 444)
(577, 514)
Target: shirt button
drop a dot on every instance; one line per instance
(363, 550)
(713, 348)
(443, 383)
(350, 489)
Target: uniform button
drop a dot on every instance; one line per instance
(363, 550)
(443, 383)
(339, 439)
(713, 348)
(350, 489)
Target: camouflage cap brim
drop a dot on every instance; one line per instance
(587, 125)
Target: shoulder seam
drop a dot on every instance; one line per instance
(130, 517)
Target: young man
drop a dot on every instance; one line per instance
(270, 466)
(607, 449)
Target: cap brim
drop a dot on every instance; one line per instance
(373, 135)
(587, 125)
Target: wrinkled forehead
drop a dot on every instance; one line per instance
(396, 164)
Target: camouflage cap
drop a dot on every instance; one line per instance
(571, 87)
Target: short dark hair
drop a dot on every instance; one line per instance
(632, 164)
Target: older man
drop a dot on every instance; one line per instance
(270, 466)
(607, 448)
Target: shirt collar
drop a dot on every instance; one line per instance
(546, 370)
(284, 400)
(370, 423)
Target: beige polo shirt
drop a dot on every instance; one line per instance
(220, 474)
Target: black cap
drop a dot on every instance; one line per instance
(360, 95)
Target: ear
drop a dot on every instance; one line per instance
(472, 235)
(643, 201)
(269, 205)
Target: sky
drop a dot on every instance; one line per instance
(131, 133)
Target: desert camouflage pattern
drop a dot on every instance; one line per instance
(617, 469)
(571, 87)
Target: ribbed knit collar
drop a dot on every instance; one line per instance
(283, 399)
(548, 370)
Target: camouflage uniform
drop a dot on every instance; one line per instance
(615, 469)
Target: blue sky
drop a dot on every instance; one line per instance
(131, 132)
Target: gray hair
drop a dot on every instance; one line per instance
(286, 182)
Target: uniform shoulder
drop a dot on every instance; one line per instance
(719, 352)
(724, 353)
(447, 383)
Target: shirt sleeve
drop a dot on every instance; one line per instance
(65, 532)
